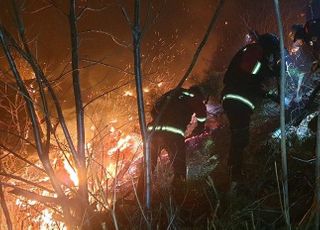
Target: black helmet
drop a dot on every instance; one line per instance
(270, 43)
(299, 33)
(196, 89)
(200, 91)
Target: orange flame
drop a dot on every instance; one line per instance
(72, 173)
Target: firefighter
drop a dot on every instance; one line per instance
(310, 35)
(169, 132)
(251, 73)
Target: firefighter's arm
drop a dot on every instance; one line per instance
(274, 94)
(199, 129)
(201, 117)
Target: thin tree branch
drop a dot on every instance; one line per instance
(19, 136)
(107, 92)
(40, 9)
(94, 62)
(125, 14)
(86, 8)
(114, 38)
(36, 184)
(5, 209)
(22, 158)
(53, 3)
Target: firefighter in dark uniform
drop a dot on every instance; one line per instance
(169, 133)
(310, 35)
(255, 66)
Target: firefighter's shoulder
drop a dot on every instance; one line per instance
(249, 56)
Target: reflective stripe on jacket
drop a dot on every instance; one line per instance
(240, 99)
(166, 128)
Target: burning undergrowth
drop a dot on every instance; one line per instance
(113, 159)
(114, 162)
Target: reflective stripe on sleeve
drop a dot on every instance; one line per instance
(188, 94)
(256, 68)
(201, 119)
(239, 98)
(167, 128)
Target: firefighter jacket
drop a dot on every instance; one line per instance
(177, 114)
(247, 74)
(312, 35)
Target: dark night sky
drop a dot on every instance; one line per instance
(168, 44)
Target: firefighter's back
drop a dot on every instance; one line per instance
(174, 106)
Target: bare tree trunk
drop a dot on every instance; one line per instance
(136, 33)
(5, 209)
(282, 120)
(83, 188)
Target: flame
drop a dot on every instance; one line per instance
(111, 170)
(72, 173)
(116, 142)
(122, 144)
(46, 219)
(128, 141)
(128, 93)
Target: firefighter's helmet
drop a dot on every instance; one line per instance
(200, 91)
(299, 33)
(270, 43)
